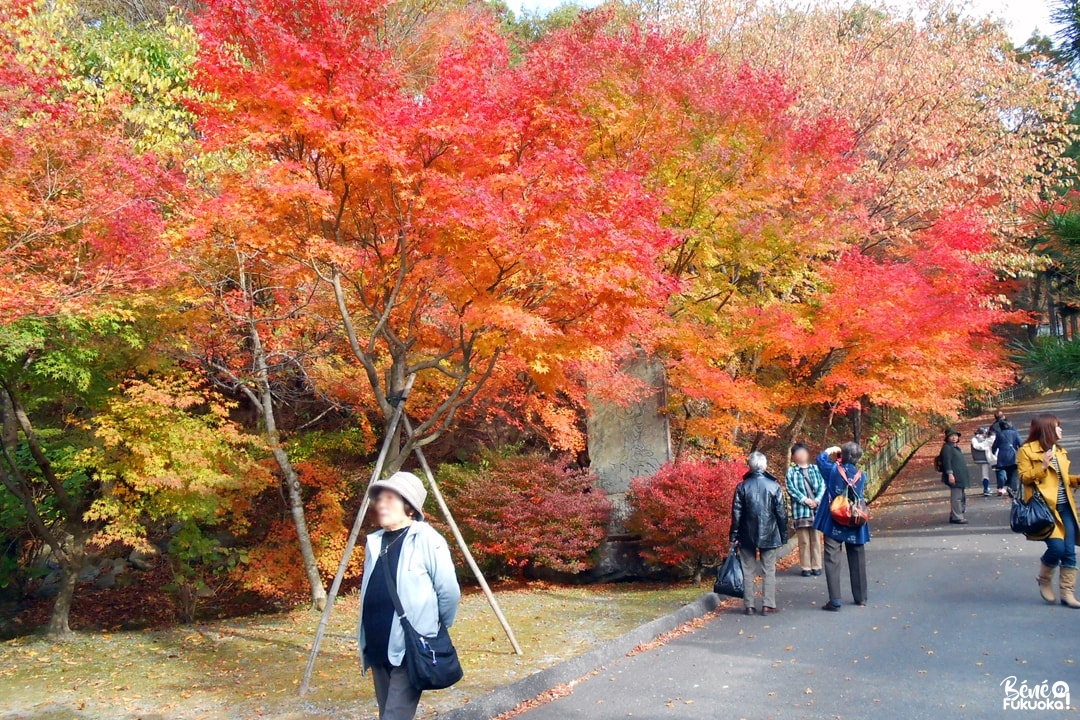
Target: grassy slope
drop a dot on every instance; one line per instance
(251, 667)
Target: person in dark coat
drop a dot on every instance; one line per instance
(996, 426)
(759, 524)
(1006, 444)
(838, 472)
(954, 473)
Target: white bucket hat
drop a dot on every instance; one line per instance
(405, 484)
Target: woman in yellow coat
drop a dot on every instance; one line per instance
(1043, 464)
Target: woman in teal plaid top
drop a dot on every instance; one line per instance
(805, 487)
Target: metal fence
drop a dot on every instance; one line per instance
(1008, 396)
(887, 460)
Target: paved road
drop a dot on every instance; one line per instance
(953, 612)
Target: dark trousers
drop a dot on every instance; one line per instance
(1012, 479)
(396, 696)
(856, 559)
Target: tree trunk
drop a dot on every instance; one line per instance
(59, 627)
(1051, 309)
(71, 564)
(9, 428)
(264, 401)
(296, 508)
(794, 427)
(396, 455)
(296, 498)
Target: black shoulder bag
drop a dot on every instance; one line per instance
(1032, 518)
(432, 662)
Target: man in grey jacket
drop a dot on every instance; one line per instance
(759, 524)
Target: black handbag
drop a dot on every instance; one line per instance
(1032, 518)
(729, 578)
(432, 661)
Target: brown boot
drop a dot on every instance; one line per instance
(1068, 585)
(1046, 583)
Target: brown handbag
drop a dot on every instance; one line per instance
(849, 509)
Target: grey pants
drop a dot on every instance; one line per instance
(396, 696)
(748, 558)
(958, 502)
(856, 560)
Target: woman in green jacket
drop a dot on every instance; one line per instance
(805, 487)
(954, 473)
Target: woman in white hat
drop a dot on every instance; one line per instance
(419, 561)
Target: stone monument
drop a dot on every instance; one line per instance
(626, 442)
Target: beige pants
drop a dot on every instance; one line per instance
(809, 548)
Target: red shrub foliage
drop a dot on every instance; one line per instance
(526, 510)
(683, 513)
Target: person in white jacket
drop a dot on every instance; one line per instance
(982, 453)
(419, 560)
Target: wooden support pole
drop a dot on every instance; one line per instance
(391, 432)
(441, 501)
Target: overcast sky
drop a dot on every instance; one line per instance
(1022, 16)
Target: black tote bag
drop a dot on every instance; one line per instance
(729, 578)
(432, 661)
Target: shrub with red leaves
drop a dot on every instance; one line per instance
(683, 513)
(527, 510)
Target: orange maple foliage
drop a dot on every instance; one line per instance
(272, 569)
(445, 226)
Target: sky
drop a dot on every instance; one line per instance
(1022, 16)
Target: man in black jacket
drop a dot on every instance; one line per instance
(759, 524)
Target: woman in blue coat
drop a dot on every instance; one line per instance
(853, 539)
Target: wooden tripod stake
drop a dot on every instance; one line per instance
(441, 501)
(391, 431)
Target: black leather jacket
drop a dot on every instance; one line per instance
(759, 516)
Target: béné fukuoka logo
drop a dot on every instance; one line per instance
(1040, 696)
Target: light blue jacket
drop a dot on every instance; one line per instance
(426, 583)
